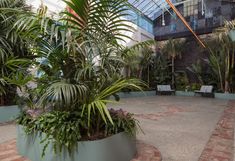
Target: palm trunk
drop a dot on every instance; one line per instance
(220, 75)
(148, 77)
(227, 74)
(173, 71)
(128, 72)
(226, 87)
(140, 73)
(221, 80)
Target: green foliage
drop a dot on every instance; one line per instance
(138, 59)
(204, 74)
(195, 86)
(197, 69)
(173, 48)
(221, 61)
(161, 70)
(182, 82)
(218, 68)
(13, 49)
(62, 129)
(80, 60)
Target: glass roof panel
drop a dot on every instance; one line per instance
(151, 8)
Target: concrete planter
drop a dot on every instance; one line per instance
(119, 147)
(136, 94)
(183, 93)
(8, 113)
(226, 96)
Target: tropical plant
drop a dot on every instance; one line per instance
(162, 72)
(173, 48)
(147, 60)
(182, 82)
(80, 60)
(197, 69)
(139, 58)
(64, 129)
(13, 49)
(221, 60)
(229, 25)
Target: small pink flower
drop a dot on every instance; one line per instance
(34, 113)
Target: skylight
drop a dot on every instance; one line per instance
(151, 8)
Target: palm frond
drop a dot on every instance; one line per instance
(102, 18)
(64, 94)
(101, 98)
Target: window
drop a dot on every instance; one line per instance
(132, 16)
(145, 24)
(139, 20)
(173, 28)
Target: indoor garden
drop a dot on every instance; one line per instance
(68, 72)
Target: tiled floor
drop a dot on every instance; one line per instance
(182, 129)
(8, 152)
(220, 145)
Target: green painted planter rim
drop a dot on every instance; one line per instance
(87, 141)
(32, 150)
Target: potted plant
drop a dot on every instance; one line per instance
(80, 60)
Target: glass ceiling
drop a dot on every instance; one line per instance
(151, 8)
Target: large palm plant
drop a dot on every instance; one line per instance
(80, 56)
(173, 48)
(221, 59)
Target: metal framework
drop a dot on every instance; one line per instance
(151, 8)
(154, 8)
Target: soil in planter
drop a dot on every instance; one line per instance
(94, 137)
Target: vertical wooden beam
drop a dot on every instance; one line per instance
(185, 22)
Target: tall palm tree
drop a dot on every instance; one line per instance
(145, 62)
(138, 57)
(173, 48)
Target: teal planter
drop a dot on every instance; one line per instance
(8, 113)
(136, 94)
(183, 93)
(119, 147)
(232, 35)
(225, 96)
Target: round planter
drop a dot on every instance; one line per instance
(119, 147)
(8, 113)
(232, 35)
